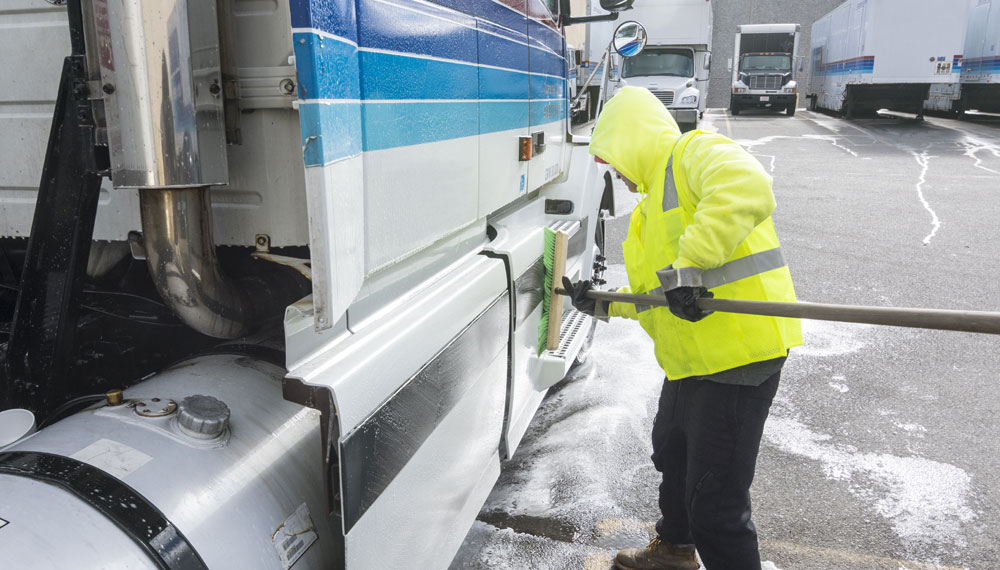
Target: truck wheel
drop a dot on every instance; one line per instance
(734, 108)
(790, 110)
(813, 105)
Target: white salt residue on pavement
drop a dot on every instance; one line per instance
(974, 146)
(916, 430)
(596, 416)
(924, 160)
(925, 501)
(505, 549)
(842, 388)
(749, 145)
(827, 338)
(834, 140)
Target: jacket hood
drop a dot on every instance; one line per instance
(633, 134)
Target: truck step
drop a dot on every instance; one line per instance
(554, 364)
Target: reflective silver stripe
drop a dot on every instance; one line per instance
(754, 264)
(670, 200)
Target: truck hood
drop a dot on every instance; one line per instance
(659, 82)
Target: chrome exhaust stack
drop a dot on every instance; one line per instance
(180, 252)
(162, 84)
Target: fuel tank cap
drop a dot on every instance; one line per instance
(203, 417)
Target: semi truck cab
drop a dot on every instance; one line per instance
(764, 71)
(669, 72)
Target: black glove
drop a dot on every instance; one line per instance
(578, 296)
(683, 302)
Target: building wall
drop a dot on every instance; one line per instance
(728, 14)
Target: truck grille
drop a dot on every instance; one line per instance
(766, 82)
(665, 97)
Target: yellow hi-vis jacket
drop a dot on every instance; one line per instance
(705, 211)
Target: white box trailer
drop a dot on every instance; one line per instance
(980, 76)
(765, 60)
(884, 54)
(675, 63)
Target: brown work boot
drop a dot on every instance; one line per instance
(659, 555)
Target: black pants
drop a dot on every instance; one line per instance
(705, 442)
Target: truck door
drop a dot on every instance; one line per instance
(547, 94)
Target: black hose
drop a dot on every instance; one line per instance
(70, 406)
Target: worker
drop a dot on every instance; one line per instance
(702, 229)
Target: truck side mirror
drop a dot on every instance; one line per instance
(708, 60)
(629, 39)
(616, 5)
(729, 65)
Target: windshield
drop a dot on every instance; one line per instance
(778, 62)
(657, 61)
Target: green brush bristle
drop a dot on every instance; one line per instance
(548, 260)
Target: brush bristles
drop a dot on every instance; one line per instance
(548, 260)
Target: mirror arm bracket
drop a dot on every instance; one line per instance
(569, 21)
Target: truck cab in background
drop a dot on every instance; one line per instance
(765, 64)
(675, 64)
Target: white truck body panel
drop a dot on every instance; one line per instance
(980, 76)
(982, 42)
(885, 42)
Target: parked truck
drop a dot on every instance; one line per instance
(271, 274)
(868, 55)
(765, 63)
(675, 63)
(980, 77)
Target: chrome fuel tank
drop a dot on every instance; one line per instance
(243, 491)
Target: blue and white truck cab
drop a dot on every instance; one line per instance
(272, 273)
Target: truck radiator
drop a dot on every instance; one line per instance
(665, 97)
(766, 82)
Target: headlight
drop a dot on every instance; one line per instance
(789, 90)
(689, 99)
(738, 89)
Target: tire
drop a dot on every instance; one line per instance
(813, 105)
(734, 110)
(790, 110)
(583, 357)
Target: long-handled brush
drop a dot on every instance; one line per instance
(965, 321)
(554, 259)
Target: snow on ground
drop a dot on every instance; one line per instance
(926, 502)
